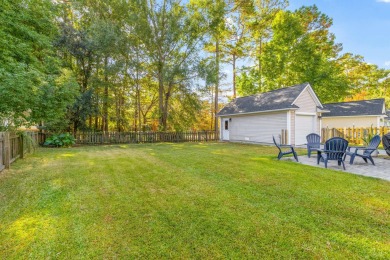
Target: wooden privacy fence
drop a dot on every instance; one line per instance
(354, 135)
(95, 138)
(14, 146)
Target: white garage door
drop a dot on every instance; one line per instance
(304, 125)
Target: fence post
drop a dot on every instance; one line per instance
(21, 146)
(6, 150)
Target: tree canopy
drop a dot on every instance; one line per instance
(159, 64)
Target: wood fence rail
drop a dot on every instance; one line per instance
(354, 135)
(95, 138)
(14, 146)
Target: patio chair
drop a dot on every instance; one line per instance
(313, 143)
(285, 149)
(334, 149)
(386, 143)
(367, 151)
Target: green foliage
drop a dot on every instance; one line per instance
(303, 50)
(168, 30)
(26, 31)
(54, 99)
(29, 143)
(60, 140)
(368, 135)
(104, 65)
(365, 80)
(247, 83)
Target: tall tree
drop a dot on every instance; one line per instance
(365, 80)
(171, 35)
(259, 15)
(29, 66)
(214, 13)
(236, 42)
(302, 49)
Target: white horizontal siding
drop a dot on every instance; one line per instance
(257, 128)
(358, 121)
(306, 103)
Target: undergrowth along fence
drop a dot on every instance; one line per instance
(354, 135)
(96, 138)
(15, 145)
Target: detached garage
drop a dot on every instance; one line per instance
(291, 112)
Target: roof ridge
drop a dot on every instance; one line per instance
(354, 101)
(257, 94)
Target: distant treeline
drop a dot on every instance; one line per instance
(156, 64)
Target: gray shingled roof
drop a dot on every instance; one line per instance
(355, 108)
(273, 100)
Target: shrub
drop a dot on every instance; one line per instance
(368, 135)
(60, 140)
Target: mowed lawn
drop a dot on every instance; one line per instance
(212, 200)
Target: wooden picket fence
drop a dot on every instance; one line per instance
(14, 146)
(96, 138)
(93, 138)
(354, 135)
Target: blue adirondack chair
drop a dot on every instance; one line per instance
(334, 149)
(313, 143)
(386, 143)
(366, 151)
(285, 149)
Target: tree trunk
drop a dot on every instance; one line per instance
(165, 111)
(105, 97)
(97, 114)
(90, 122)
(212, 110)
(161, 92)
(136, 109)
(118, 110)
(138, 94)
(139, 107)
(260, 65)
(96, 123)
(234, 76)
(138, 91)
(216, 86)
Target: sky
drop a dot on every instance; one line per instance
(362, 26)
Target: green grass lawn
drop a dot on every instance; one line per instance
(200, 201)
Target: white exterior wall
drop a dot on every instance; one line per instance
(257, 127)
(307, 112)
(341, 122)
(306, 103)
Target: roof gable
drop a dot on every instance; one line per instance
(356, 108)
(279, 99)
(312, 94)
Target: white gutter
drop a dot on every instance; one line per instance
(352, 116)
(306, 113)
(259, 112)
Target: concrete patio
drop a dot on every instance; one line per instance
(380, 170)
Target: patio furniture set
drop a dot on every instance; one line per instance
(336, 149)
